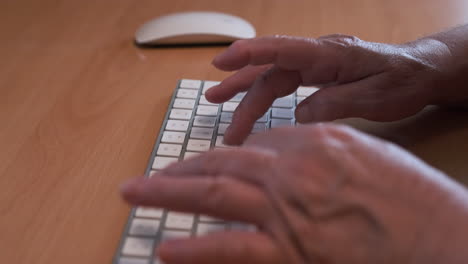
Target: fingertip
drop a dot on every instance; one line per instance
(131, 189)
(230, 59)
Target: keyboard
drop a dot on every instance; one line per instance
(192, 125)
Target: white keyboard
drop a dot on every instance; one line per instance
(192, 125)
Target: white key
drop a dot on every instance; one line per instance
(208, 84)
(286, 101)
(207, 110)
(222, 128)
(189, 154)
(198, 145)
(152, 173)
(204, 121)
(183, 114)
(230, 106)
(306, 91)
(264, 118)
(226, 117)
(201, 133)
(141, 247)
(179, 221)
(282, 113)
(190, 84)
(173, 137)
(127, 260)
(299, 99)
(144, 227)
(280, 122)
(209, 219)
(169, 150)
(205, 228)
(177, 125)
(184, 103)
(162, 162)
(187, 93)
(203, 101)
(238, 97)
(148, 212)
(259, 127)
(174, 234)
(242, 227)
(219, 142)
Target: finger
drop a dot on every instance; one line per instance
(269, 86)
(238, 82)
(287, 52)
(226, 247)
(247, 165)
(222, 197)
(359, 99)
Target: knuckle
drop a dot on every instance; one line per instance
(215, 193)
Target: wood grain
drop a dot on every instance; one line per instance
(80, 105)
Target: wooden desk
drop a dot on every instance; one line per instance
(80, 106)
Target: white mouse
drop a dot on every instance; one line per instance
(194, 28)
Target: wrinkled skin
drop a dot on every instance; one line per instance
(319, 194)
(376, 81)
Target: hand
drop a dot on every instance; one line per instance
(375, 81)
(318, 194)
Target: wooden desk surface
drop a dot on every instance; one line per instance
(80, 106)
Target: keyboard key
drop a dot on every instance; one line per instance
(201, 133)
(208, 84)
(174, 234)
(144, 227)
(128, 260)
(226, 117)
(190, 84)
(299, 99)
(203, 101)
(209, 219)
(282, 113)
(205, 228)
(162, 162)
(207, 110)
(204, 121)
(238, 97)
(173, 137)
(177, 125)
(259, 127)
(222, 128)
(306, 91)
(281, 122)
(286, 102)
(264, 118)
(187, 93)
(184, 103)
(179, 221)
(169, 150)
(134, 246)
(198, 145)
(219, 142)
(148, 212)
(189, 154)
(230, 106)
(180, 114)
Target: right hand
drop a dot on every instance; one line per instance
(376, 81)
(319, 194)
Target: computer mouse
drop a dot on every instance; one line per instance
(194, 28)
